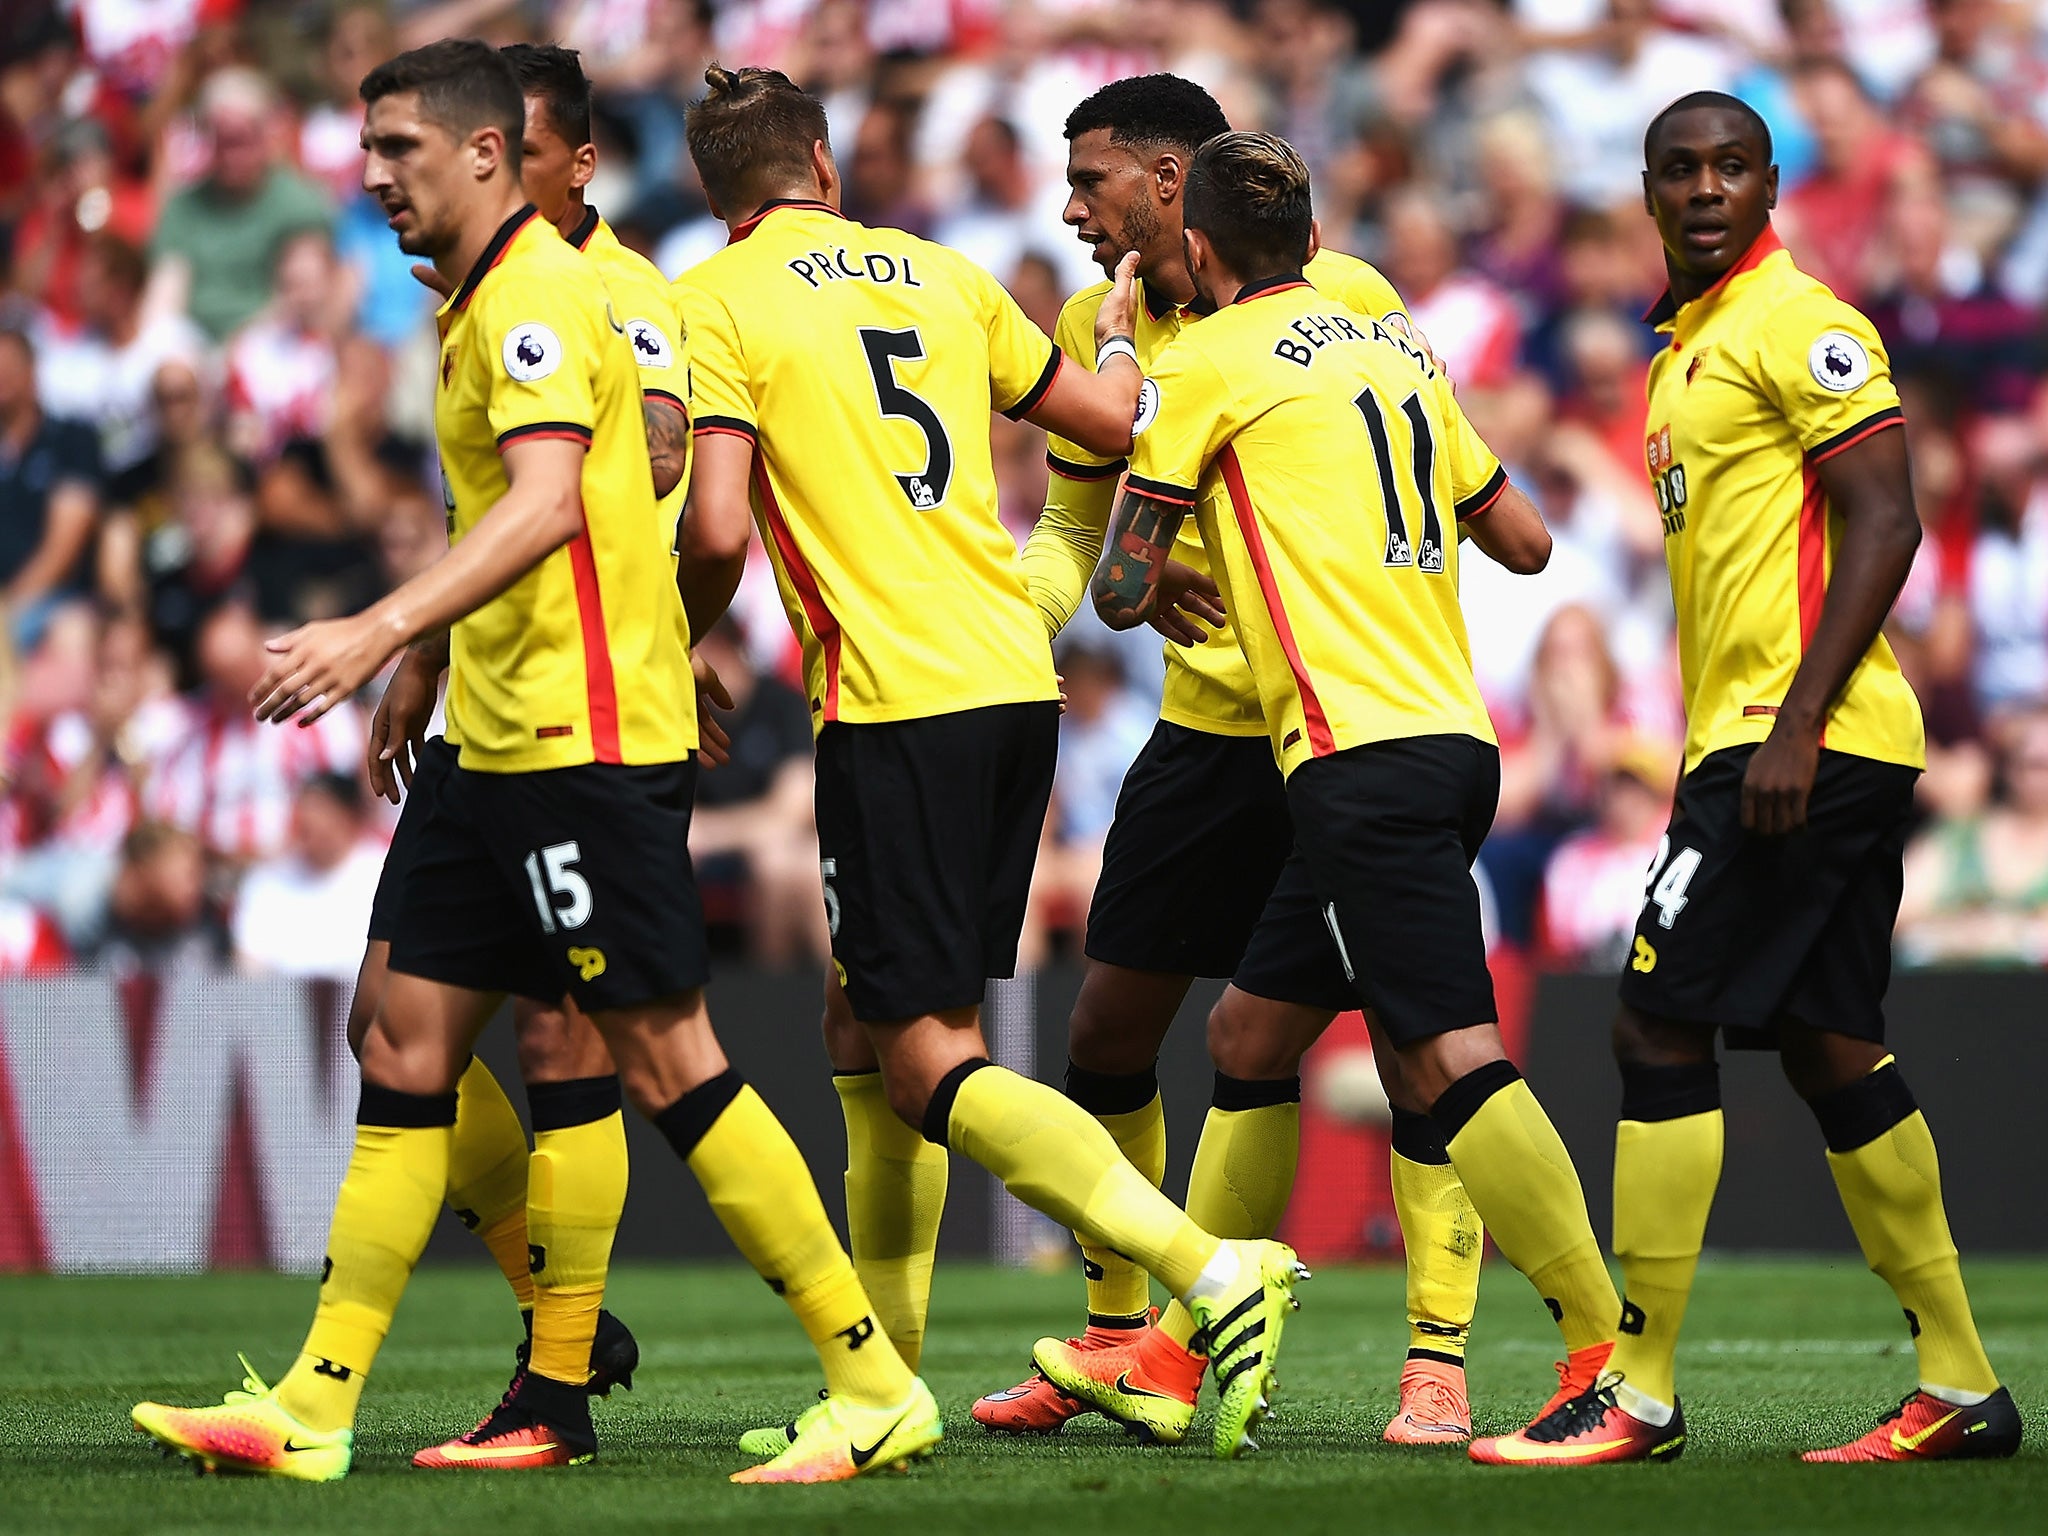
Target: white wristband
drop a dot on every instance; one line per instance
(1115, 346)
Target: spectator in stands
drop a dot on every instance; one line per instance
(281, 364)
(230, 779)
(81, 195)
(103, 371)
(2008, 587)
(880, 182)
(1519, 246)
(217, 241)
(1470, 322)
(1977, 884)
(198, 556)
(304, 912)
(49, 494)
(358, 40)
(1832, 218)
(1003, 217)
(1593, 886)
(753, 833)
(161, 917)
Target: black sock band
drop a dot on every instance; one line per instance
(1417, 1138)
(580, 1101)
(1650, 1094)
(686, 1121)
(1112, 1093)
(1254, 1092)
(1441, 1357)
(559, 1404)
(1122, 1322)
(404, 1111)
(1457, 1104)
(938, 1115)
(1857, 1115)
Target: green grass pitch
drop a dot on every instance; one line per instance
(1779, 1355)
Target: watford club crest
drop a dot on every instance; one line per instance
(447, 365)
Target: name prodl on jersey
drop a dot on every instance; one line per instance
(817, 268)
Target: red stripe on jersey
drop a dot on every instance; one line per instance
(597, 651)
(816, 614)
(1813, 555)
(1320, 741)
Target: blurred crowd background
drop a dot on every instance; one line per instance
(216, 379)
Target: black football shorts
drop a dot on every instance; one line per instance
(928, 832)
(571, 881)
(1386, 834)
(1745, 932)
(431, 768)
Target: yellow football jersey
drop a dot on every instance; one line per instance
(645, 304)
(862, 365)
(1327, 464)
(1767, 374)
(1208, 686)
(585, 658)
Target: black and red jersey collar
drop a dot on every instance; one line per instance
(741, 230)
(1665, 310)
(585, 228)
(1279, 283)
(492, 255)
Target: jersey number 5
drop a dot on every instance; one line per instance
(1422, 463)
(927, 488)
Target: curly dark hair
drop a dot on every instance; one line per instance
(1151, 109)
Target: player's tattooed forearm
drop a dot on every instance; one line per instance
(1133, 557)
(668, 439)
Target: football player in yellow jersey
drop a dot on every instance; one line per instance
(1205, 793)
(1789, 528)
(843, 382)
(571, 696)
(1326, 464)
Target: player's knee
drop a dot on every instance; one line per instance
(1818, 1062)
(910, 1097)
(557, 1046)
(407, 1064)
(847, 1045)
(1241, 1047)
(1642, 1039)
(1112, 1036)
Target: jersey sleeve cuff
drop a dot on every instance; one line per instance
(668, 395)
(732, 426)
(1069, 469)
(1849, 437)
(1483, 499)
(535, 431)
(1038, 391)
(1161, 490)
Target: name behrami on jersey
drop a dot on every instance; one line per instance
(1327, 464)
(1208, 686)
(862, 364)
(583, 659)
(1767, 376)
(645, 304)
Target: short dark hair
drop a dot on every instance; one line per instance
(555, 75)
(1151, 109)
(751, 134)
(1719, 101)
(1248, 193)
(463, 85)
(122, 260)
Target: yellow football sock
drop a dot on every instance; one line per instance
(762, 1192)
(1127, 1104)
(1665, 1174)
(576, 1192)
(1056, 1157)
(1523, 1185)
(1882, 1156)
(383, 1215)
(895, 1195)
(1441, 1235)
(1244, 1170)
(487, 1174)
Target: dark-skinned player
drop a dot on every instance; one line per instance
(1776, 450)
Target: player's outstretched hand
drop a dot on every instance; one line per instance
(1186, 594)
(714, 746)
(429, 276)
(399, 727)
(316, 666)
(1779, 780)
(1119, 313)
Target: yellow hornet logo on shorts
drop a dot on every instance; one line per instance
(1645, 958)
(589, 963)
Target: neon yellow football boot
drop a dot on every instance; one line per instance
(248, 1432)
(1240, 1332)
(837, 1440)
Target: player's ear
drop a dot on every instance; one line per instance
(1169, 176)
(1315, 239)
(486, 153)
(1649, 202)
(1771, 187)
(826, 171)
(583, 166)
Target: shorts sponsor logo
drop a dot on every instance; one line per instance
(589, 963)
(1645, 958)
